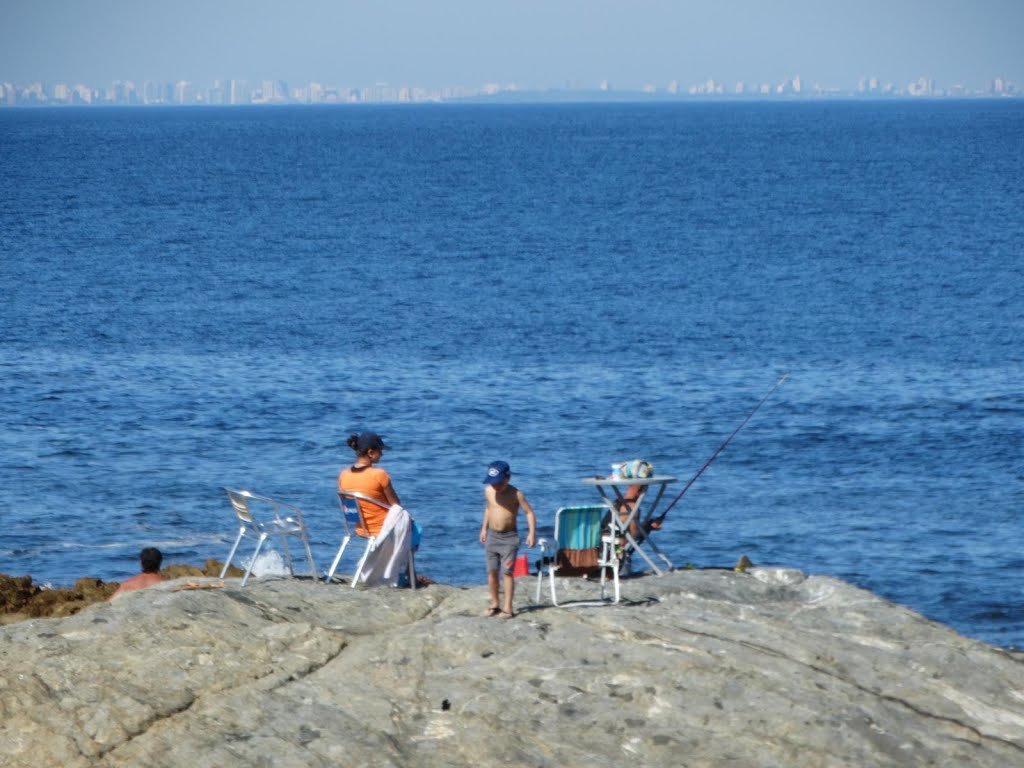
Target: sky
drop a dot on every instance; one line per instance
(535, 44)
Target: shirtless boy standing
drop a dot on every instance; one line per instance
(499, 533)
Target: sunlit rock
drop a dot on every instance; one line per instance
(697, 668)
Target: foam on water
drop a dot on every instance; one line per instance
(269, 562)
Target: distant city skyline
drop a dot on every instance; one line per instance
(537, 45)
(276, 92)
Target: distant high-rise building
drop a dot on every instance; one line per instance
(238, 92)
(122, 92)
(921, 87)
(183, 92)
(34, 93)
(150, 92)
(265, 95)
(217, 95)
(81, 94)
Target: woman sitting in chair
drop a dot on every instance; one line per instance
(363, 477)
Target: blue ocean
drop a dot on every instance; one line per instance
(196, 298)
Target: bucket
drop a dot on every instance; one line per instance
(522, 567)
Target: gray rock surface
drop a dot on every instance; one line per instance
(696, 668)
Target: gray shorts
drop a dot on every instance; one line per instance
(500, 551)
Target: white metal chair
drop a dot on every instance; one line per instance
(353, 520)
(271, 518)
(586, 540)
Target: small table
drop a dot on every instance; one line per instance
(613, 490)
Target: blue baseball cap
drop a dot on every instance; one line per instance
(497, 472)
(369, 440)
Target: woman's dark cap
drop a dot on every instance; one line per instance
(369, 440)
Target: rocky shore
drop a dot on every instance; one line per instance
(21, 598)
(695, 668)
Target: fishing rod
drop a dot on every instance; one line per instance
(655, 523)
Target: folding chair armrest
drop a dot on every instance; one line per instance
(548, 553)
(545, 562)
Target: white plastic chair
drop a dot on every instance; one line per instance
(353, 520)
(589, 531)
(279, 519)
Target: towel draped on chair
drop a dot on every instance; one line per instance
(391, 550)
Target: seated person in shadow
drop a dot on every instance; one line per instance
(626, 505)
(150, 559)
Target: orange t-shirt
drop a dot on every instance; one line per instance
(370, 481)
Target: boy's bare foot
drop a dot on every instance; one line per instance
(492, 612)
(504, 615)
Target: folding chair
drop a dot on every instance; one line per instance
(585, 541)
(353, 520)
(274, 518)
